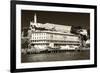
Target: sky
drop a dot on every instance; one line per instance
(62, 18)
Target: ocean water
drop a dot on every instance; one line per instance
(60, 56)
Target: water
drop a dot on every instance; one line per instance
(62, 56)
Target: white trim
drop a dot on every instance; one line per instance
(50, 64)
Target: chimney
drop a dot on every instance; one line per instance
(35, 18)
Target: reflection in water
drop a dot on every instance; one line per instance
(43, 57)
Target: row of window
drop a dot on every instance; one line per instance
(56, 37)
(55, 41)
(35, 38)
(38, 34)
(53, 34)
(52, 38)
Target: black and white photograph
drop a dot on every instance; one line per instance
(52, 36)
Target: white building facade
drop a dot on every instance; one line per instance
(42, 36)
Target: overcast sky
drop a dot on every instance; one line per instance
(63, 18)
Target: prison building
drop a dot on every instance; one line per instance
(51, 35)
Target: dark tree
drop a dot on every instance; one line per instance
(88, 31)
(85, 37)
(24, 43)
(25, 30)
(76, 30)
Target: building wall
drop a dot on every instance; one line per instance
(46, 38)
(43, 35)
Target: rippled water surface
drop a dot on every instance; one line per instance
(62, 56)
